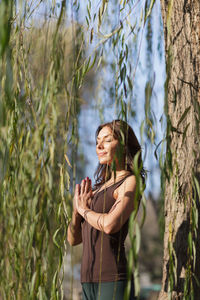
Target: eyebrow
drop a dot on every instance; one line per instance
(105, 136)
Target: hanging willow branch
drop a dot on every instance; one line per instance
(43, 65)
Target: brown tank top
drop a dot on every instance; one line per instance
(103, 256)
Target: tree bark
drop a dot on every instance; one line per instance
(181, 21)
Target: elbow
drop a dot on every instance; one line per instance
(111, 228)
(70, 240)
(73, 242)
(108, 230)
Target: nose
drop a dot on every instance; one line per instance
(100, 145)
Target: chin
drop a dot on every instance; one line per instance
(104, 162)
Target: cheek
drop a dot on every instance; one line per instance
(113, 149)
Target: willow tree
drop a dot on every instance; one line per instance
(39, 107)
(181, 269)
(32, 122)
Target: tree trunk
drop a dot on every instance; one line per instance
(182, 165)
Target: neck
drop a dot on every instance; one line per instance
(119, 173)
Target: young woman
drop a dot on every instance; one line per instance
(100, 216)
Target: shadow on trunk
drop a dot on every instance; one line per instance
(183, 258)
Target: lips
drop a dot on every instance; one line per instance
(102, 154)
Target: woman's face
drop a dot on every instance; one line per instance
(106, 146)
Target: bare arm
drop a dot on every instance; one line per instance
(74, 231)
(74, 235)
(113, 220)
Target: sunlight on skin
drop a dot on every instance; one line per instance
(106, 146)
(106, 149)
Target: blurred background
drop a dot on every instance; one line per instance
(66, 67)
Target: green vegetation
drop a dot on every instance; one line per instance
(44, 62)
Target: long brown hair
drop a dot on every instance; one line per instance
(129, 147)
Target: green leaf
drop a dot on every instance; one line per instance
(190, 242)
(197, 186)
(54, 237)
(148, 10)
(33, 280)
(138, 238)
(93, 63)
(129, 83)
(88, 11)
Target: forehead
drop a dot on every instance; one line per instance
(105, 131)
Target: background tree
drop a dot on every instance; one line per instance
(41, 80)
(181, 268)
(39, 110)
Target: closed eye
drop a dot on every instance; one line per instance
(105, 139)
(108, 141)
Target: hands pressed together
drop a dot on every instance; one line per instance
(82, 197)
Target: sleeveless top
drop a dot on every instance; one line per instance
(103, 256)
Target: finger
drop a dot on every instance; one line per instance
(77, 189)
(87, 185)
(76, 198)
(82, 186)
(90, 184)
(89, 189)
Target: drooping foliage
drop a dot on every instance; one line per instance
(46, 53)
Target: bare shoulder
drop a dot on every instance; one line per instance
(128, 186)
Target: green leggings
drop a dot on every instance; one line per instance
(108, 290)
